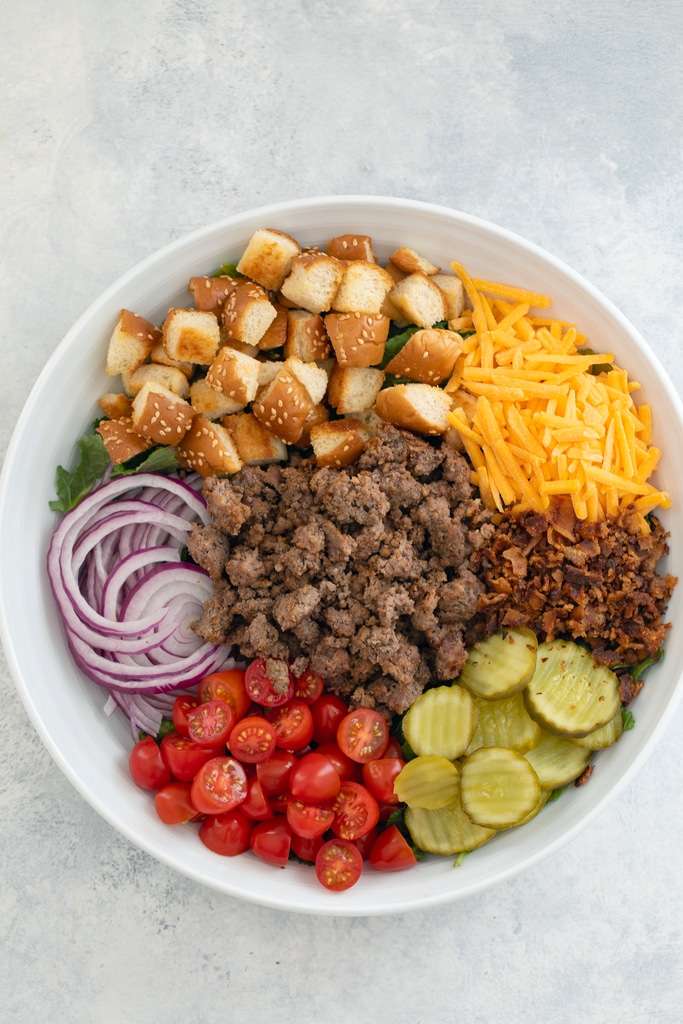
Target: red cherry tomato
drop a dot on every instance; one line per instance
(366, 842)
(252, 739)
(348, 770)
(226, 834)
(267, 692)
(393, 748)
(355, 811)
(391, 851)
(338, 864)
(274, 773)
(181, 709)
(363, 735)
(308, 820)
(255, 804)
(293, 724)
(308, 686)
(210, 724)
(147, 766)
(306, 849)
(379, 775)
(327, 712)
(314, 778)
(227, 685)
(271, 841)
(278, 802)
(219, 785)
(184, 757)
(173, 803)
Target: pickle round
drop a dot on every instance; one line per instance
(429, 780)
(504, 723)
(441, 721)
(557, 760)
(498, 787)
(446, 830)
(501, 664)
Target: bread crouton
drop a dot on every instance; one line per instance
(410, 261)
(168, 376)
(191, 335)
(235, 374)
(114, 405)
(247, 313)
(130, 343)
(276, 334)
(428, 356)
(255, 444)
(208, 449)
(211, 292)
(363, 288)
(318, 414)
(306, 336)
(120, 440)
(419, 300)
(160, 356)
(288, 398)
(313, 281)
(268, 256)
(351, 247)
(418, 407)
(357, 339)
(160, 414)
(453, 292)
(338, 442)
(211, 403)
(353, 389)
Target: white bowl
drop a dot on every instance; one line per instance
(66, 708)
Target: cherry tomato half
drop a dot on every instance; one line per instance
(363, 735)
(338, 864)
(210, 724)
(227, 685)
(219, 785)
(391, 851)
(147, 766)
(252, 739)
(293, 724)
(327, 711)
(308, 820)
(306, 849)
(226, 834)
(355, 811)
(314, 778)
(348, 770)
(181, 709)
(173, 803)
(184, 757)
(274, 773)
(379, 775)
(267, 692)
(255, 804)
(271, 841)
(308, 686)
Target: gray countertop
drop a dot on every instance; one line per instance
(125, 125)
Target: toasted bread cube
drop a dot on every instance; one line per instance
(208, 449)
(351, 247)
(211, 292)
(115, 406)
(306, 336)
(318, 414)
(419, 300)
(255, 444)
(235, 374)
(211, 403)
(130, 344)
(358, 339)
(314, 378)
(453, 293)
(353, 389)
(160, 356)
(276, 334)
(169, 376)
(284, 403)
(418, 407)
(247, 313)
(313, 281)
(410, 261)
(268, 256)
(338, 442)
(191, 335)
(428, 356)
(160, 414)
(363, 288)
(121, 441)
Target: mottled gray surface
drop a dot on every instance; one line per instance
(124, 125)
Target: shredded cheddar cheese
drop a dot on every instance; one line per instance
(546, 418)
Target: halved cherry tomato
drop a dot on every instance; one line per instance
(379, 775)
(271, 841)
(314, 778)
(267, 692)
(226, 834)
(181, 709)
(306, 849)
(393, 748)
(391, 851)
(184, 757)
(293, 724)
(308, 820)
(252, 739)
(328, 711)
(274, 773)
(338, 864)
(366, 842)
(255, 804)
(348, 770)
(173, 803)
(355, 811)
(147, 765)
(219, 785)
(210, 724)
(227, 685)
(308, 686)
(278, 802)
(363, 735)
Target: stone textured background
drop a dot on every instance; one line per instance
(124, 125)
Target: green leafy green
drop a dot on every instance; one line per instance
(73, 486)
(647, 663)
(227, 270)
(156, 460)
(556, 793)
(396, 341)
(627, 719)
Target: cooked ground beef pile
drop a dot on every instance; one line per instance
(363, 573)
(594, 581)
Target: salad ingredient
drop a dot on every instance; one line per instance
(391, 852)
(271, 841)
(569, 693)
(308, 687)
(293, 724)
(274, 772)
(182, 756)
(327, 713)
(268, 682)
(173, 803)
(441, 721)
(182, 706)
(227, 834)
(604, 736)
(255, 804)
(355, 811)
(253, 739)
(227, 685)
(445, 830)
(501, 664)
(379, 777)
(338, 864)
(498, 787)
(429, 780)
(146, 765)
(504, 723)
(210, 723)
(219, 785)
(314, 778)
(557, 760)
(308, 820)
(363, 735)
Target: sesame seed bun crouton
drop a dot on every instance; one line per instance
(353, 389)
(417, 407)
(191, 335)
(394, 273)
(208, 449)
(247, 313)
(210, 293)
(338, 443)
(314, 378)
(428, 356)
(169, 376)
(419, 300)
(466, 403)
(160, 356)
(211, 403)
(358, 339)
(411, 262)
(306, 336)
(160, 414)
(318, 414)
(255, 444)
(276, 334)
(363, 288)
(268, 256)
(285, 402)
(121, 441)
(130, 344)
(313, 281)
(235, 374)
(351, 247)
(115, 406)
(453, 292)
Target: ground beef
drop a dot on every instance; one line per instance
(365, 573)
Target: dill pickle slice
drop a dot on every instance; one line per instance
(498, 787)
(429, 780)
(501, 664)
(557, 760)
(504, 723)
(441, 721)
(603, 737)
(569, 694)
(542, 801)
(446, 830)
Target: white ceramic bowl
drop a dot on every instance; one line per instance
(66, 708)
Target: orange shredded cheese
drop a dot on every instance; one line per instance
(546, 421)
